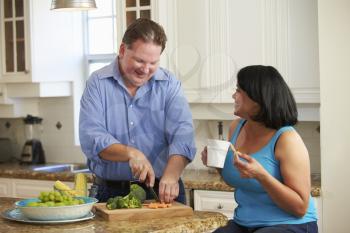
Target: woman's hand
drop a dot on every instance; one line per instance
(250, 168)
(204, 156)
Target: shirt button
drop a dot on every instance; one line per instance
(132, 141)
(130, 106)
(131, 123)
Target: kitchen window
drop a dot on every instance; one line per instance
(105, 26)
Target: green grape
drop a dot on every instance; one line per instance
(50, 203)
(59, 204)
(44, 193)
(75, 202)
(81, 201)
(58, 198)
(51, 197)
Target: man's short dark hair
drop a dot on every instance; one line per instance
(265, 86)
(146, 30)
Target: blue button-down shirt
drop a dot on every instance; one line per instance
(156, 121)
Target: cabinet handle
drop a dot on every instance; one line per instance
(220, 206)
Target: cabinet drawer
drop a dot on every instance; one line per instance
(217, 201)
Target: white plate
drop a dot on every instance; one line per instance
(16, 215)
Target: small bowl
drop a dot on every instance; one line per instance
(55, 212)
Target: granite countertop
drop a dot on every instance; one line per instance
(193, 179)
(201, 221)
(211, 180)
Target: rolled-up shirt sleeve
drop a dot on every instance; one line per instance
(179, 124)
(92, 126)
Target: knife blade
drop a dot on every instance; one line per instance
(154, 194)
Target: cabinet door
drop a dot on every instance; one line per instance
(14, 39)
(23, 188)
(217, 201)
(318, 202)
(212, 40)
(5, 187)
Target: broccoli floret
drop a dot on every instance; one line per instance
(114, 203)
(133, 200)
(138, 192)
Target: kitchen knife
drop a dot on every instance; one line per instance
(154, 194)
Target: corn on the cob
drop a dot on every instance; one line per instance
(64, 189)
(80, 184)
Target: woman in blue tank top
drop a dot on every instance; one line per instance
(271, 169)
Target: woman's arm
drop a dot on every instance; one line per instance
(295, 170)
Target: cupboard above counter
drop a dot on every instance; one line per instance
(39, 45)
(209, 41)
(41, 55)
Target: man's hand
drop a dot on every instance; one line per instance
(169, 183)
(139, 164)
(141, 168)
(168, 189)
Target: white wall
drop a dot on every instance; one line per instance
(334, 44)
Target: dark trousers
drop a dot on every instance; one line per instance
(232, 227)
(102, 191)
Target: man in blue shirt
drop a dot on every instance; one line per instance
(135, 123)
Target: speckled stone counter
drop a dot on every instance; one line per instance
(211, 180)
(199, 222)
(193, 179)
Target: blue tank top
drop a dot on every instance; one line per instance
(255, 207)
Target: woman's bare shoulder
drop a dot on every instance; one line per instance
(233, 126)
(290, 142)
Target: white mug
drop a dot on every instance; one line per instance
(217, 150)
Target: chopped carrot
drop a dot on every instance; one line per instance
(156, 205)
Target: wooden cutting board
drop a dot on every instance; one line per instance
(176, 210)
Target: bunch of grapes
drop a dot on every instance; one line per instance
(55, 198)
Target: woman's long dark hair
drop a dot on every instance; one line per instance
(265, 86)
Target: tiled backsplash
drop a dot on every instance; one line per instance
(59, 144)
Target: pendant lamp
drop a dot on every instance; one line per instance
(62, 5)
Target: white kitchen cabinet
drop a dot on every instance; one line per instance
(211, 40)
(217, 201)
(27, 188)
(318, 202)
(41, 55)
(47, 45)
(5, 187)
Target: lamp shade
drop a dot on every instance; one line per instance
(73, 5)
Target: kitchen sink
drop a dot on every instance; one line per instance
(75, 168)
